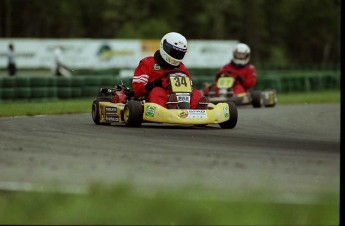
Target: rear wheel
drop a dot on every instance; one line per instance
(256, 99)
(95, 112)
(133, 113)
(231, 123)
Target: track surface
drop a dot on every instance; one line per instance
(289, 149)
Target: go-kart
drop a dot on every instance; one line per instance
(257, 99)
(119, 105)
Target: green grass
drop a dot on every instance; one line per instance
(310, 97)
(16, 108)
(71, 106)
(120, 205)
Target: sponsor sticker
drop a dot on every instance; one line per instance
(112, 118)
(111, 109)
(183, 114)
(197, 114)
(156, 67)
(226, 112)
(150, 111)
(193, 114)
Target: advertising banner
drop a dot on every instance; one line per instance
(109, 53)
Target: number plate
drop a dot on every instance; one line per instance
(180, 84)
(225, 82)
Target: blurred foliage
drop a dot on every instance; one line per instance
(280, 31)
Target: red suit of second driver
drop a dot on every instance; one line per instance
(247, 72)
(240, 69)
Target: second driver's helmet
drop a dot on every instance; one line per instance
(241, 54)
(173, 48)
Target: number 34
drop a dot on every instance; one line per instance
(180, 81)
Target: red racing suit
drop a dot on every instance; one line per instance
(247, 72)
(149, 70)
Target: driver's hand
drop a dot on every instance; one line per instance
(240, 79)
(156, 83)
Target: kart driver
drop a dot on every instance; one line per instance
(149, 80)
(240, 69)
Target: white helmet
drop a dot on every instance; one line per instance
(241, 54)
(173, 48)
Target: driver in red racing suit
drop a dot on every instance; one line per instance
(240, 69)
(149, 80)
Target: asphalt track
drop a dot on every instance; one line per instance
(292, 150)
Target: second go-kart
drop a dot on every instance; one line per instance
(119, 105)
(224, 93)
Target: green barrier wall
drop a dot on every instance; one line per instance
(52, 88)
(31, 88)
(1, 81)
(64, 87)
(8, 85)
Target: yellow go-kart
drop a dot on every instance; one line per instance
(119, 105)
(257, 99)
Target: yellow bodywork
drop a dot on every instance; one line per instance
(156, 113)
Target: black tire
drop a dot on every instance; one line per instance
(231, 123)
(256, 99)
(95, 112)
(133, 113)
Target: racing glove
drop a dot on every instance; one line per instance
(240, 79)
(156, 83)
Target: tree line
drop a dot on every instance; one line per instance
(278, 31)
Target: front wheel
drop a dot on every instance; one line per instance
(231, 123)
(95, 113)
(133, 113)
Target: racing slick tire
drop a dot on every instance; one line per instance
(231, 123)
(133, 113)
(95, 112)
(256, 99)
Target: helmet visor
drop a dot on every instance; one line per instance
(173, 51)
(241, 56)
